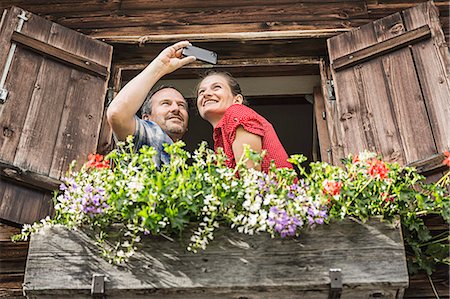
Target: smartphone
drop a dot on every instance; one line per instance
(201, 54)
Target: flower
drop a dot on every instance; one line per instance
(150, 201)
(96, 161)
(447, 159)
(377, 168)
(331, 187)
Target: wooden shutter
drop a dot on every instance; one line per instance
(56, 85)
(391, 87)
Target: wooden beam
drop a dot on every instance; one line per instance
(230, 63)
(29, 178)
(223, 36)
(429, 165)
(387, 46)
(60, 55)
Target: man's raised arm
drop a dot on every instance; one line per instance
(123, 108)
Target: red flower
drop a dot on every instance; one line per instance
(387, 197)
(331, 187)
(447, 159)
(96, 161)
(355, 159)
(377, 168)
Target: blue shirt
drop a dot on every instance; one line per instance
(151, 134)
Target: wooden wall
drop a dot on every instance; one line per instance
(131, 24)
(12, 262)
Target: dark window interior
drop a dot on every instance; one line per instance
(291, 116)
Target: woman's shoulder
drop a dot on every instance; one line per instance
(240, 110)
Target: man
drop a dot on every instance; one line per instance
(164, 115)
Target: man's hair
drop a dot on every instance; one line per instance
(232, 83)
(147, 106)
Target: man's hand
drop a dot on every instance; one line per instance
(123, 108)
(171, 59)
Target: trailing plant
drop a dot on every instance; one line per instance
(199, 188)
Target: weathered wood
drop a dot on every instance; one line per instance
(59, 54)
(336, 152)
(30, 178)
(380, 103)
(12, 262)
(349, 97)
(432, 61)
(382, 48)
(430, 164)
(407, 98)
(224, 37)
(370, 255)
(321, 124)
(52, 115)
(115, 20)
(239, 67)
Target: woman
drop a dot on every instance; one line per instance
(220, 102)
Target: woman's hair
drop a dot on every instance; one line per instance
(232, 83)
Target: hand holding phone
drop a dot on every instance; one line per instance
(201, 54)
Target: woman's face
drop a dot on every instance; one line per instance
(214, 96)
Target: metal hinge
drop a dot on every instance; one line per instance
(330, 90)
(3, 92)
(98, 286)
(335, 284)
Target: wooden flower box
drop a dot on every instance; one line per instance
(370, 256)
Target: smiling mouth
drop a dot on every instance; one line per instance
(208, 102)
(174, 117)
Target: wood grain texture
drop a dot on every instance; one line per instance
(321, 124)
(334, 130)
(52, 116)
(12, 262)
(380, 102)
(371, 256)
(432, 61)
(116, 21)
(406, 94)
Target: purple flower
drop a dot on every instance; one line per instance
(284, 224)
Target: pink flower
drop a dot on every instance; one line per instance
(331, 187)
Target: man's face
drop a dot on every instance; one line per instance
(170, 112)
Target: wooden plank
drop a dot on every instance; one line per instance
(84, 103)
(211, 15)
(334, 130)
(224, 36)
(13, 257)
(60, 54)
(351, 117)
(40, 131)
(233, 265)
(430, 164)
(432, 62)
(407, 99)
(377, 121)
(9, 24)
(321, 124)
(239, 67)
(80, 122)
(16, 205)
(22, 205)
(382, 48)
(29, 178)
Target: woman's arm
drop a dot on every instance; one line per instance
(245, 137)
